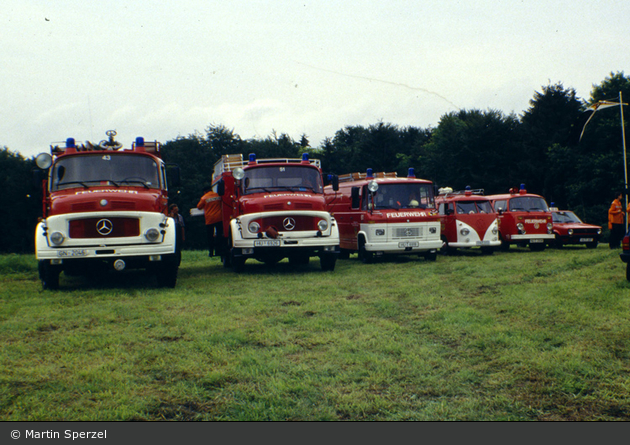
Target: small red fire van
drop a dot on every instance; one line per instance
(381, 214)
(468, 220)
(524, 219)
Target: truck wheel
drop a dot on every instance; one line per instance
(365, 256)
(49, 275)
(628, 271)
(328, 262)
(238, 263)
(167, 274)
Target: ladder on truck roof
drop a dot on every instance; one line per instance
(357, 176)
(227, 163)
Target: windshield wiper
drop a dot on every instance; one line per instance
(129, 181)
(73, 182)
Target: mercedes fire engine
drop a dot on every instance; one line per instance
(524, 219)
(468, 220)
(274, 209)
(105, 207)
(381, 214)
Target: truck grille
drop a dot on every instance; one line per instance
(104, 227)
(290, 223)
(407, 232)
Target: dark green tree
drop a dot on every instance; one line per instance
(22, 201)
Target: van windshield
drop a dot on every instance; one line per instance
(528, 204)
(282, 178)
(104, 168)
(470, 207)
(401, 196)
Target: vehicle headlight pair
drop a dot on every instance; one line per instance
(254, 227)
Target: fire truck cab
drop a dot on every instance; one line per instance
(381, 214)
(468, 220)
(274, 209)
(105, 208)
(524, 219)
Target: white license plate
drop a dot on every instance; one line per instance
(267, 243)
(586, 240)
(405, 244)
(483, 243)
(532, 241)
(73, 252)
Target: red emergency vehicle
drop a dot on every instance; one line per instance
(274, 209)
(524, 219)
(382, 214)
(105, 207)
(468, 220)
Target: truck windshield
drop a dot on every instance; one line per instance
(282, 178)
(402, 196)
(469, 207)
(528, 204)
(91, 170)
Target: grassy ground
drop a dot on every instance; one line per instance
(516, 335)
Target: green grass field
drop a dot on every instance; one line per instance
(517, 335)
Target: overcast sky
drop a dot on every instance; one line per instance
(163, 69)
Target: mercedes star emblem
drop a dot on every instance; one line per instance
(289, 223)
(104, 227)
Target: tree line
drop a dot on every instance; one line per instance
(482, 148)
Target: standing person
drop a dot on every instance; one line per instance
(616, 222)
(210, 203)
(173, 212)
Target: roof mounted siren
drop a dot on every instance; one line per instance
(369, 174)
(468, 191)
(305, 158)
(411, 173)
(522, 190)
(252, 158)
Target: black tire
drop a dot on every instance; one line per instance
(328, 262)
(628, 271)
(365, 256)
(238, 263)
(431, 255)
(49, 275)
(167, 273)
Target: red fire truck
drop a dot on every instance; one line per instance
(382, 214)
(274, 209)
(524, 219)
(105, 207)
(468, 220)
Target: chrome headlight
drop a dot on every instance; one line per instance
(322, 225)
(550, 228)
(253, 227)
(520, 227)
(379, 232)
(57, 238)
(495, 230)
(599, 231)
(152, 234)
(465, 231)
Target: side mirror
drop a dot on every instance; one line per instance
(335, 182)
(356, 199)
(448, 211)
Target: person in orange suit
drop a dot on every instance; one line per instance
(616, 221)
(210, 203)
